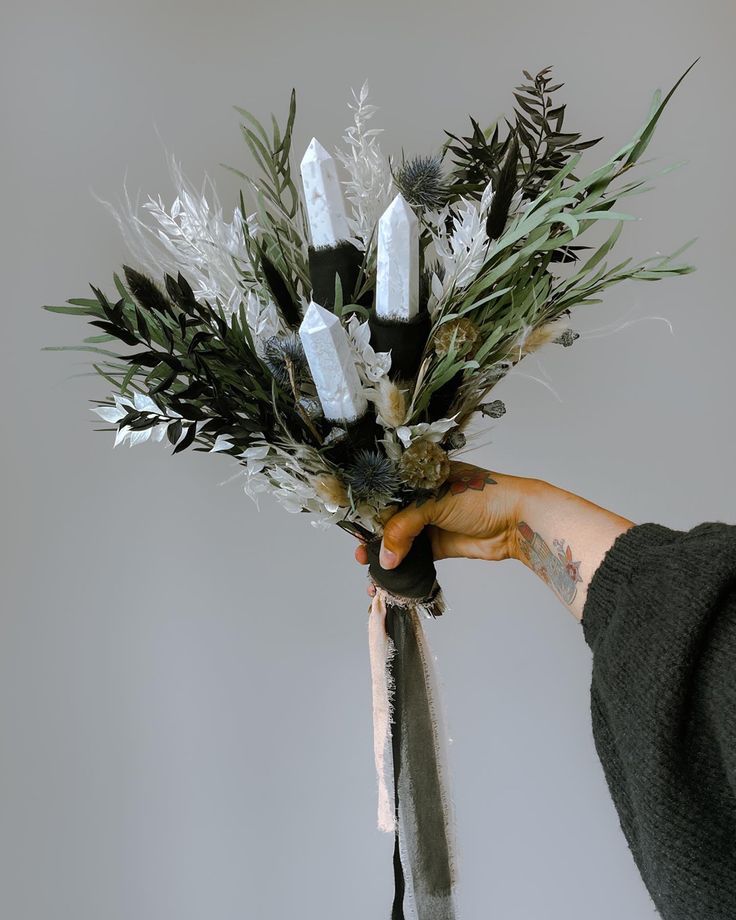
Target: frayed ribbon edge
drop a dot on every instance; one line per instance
(382, 650)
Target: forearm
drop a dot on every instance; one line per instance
(563, 538)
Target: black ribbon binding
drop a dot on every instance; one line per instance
(418, 798)
(325, 264)
(405, 341)
(422, 859)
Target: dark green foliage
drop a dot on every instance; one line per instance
(189, 358)
(545, 146)
(534, 150)
(279, 290)
(146, 292)
(503, 192)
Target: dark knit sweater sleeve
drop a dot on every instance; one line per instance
(660, 619)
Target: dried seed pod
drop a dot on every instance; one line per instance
(454, 440)
(461, 334)
(567, 337)
(494, 409)
(424, 465)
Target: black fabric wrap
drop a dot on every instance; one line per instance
(414, 577)
(325, 264)
(405, 341)
(441, 400)
(361, 435)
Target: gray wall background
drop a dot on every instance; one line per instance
(184, 685)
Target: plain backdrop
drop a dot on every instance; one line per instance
(185, 725)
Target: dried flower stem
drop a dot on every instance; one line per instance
(302, 414)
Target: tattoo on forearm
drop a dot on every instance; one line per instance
(556, 567)
(463, 482)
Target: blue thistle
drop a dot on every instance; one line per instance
(421, 181)
(371, 475)
(282, 351)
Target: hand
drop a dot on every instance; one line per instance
(474, 515)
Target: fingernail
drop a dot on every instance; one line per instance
(386, 558)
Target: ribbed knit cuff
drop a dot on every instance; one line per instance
(614, 572)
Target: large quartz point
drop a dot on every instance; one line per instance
(330, 360)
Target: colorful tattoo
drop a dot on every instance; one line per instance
(557, 568)
(459, 484)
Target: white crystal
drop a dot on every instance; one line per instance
(330, 360)
(397, 262)
(328, 222)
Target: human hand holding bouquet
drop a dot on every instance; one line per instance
(482, 514)
(466, 518)
(339, 344)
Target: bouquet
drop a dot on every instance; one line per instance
(339, 339)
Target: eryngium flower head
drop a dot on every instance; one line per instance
(421, 182)
(424, 465)
(371, 475)
(281, 352)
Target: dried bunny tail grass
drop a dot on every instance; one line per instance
(533, 338)
(331, 490)
(390, 403)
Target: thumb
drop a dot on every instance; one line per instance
(399, 533)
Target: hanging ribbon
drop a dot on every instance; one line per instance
(413, 802)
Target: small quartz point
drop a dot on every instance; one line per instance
(328, 222)
(397, 262)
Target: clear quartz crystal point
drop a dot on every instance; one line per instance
(397, 262)
(330, 360)
(328, 222)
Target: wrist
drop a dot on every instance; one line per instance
(529, 495)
